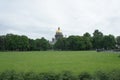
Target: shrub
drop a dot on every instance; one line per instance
(48, 76)
(11, 75)
(119, 56)
(66, 75)
(100, 75)
(30, 76)
(7, 75)
(85, 76)
(114, 75)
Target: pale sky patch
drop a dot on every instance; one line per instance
(41, 18)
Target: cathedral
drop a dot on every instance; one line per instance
(58, 35)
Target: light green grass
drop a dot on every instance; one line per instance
(57, 61)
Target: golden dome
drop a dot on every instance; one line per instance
(58, 31)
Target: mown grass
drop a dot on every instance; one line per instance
(57, 61)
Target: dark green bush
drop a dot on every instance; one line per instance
(85, 76)
(11, 75)
(114, 75)
(48, 76)
(101, 75)
(31, 76)
(18, 76)
(8, 75)
(66, 75)
(119, 56)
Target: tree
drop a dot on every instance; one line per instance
(42, 44)
(118, 41)
(97, 39)
(88, 41)
(31, 44)
(61, 44)
(87, 35)
(16, 42)
(109, 42)
(2, 43)
(73, 43)
(76, 43)
(10, 42)
(23, 43)
(112, 41)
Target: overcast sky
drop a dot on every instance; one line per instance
(41, 18)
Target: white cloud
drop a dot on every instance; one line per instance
(40, 18)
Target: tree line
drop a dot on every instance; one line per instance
(12, 42)
(88, 42)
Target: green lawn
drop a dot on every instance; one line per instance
(57, 61)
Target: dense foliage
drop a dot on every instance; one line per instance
(12, 42)
(66, 75)
(85, 42)
(88, 42)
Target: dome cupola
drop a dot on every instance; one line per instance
(58, 34)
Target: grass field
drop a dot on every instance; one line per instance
(57, 61)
